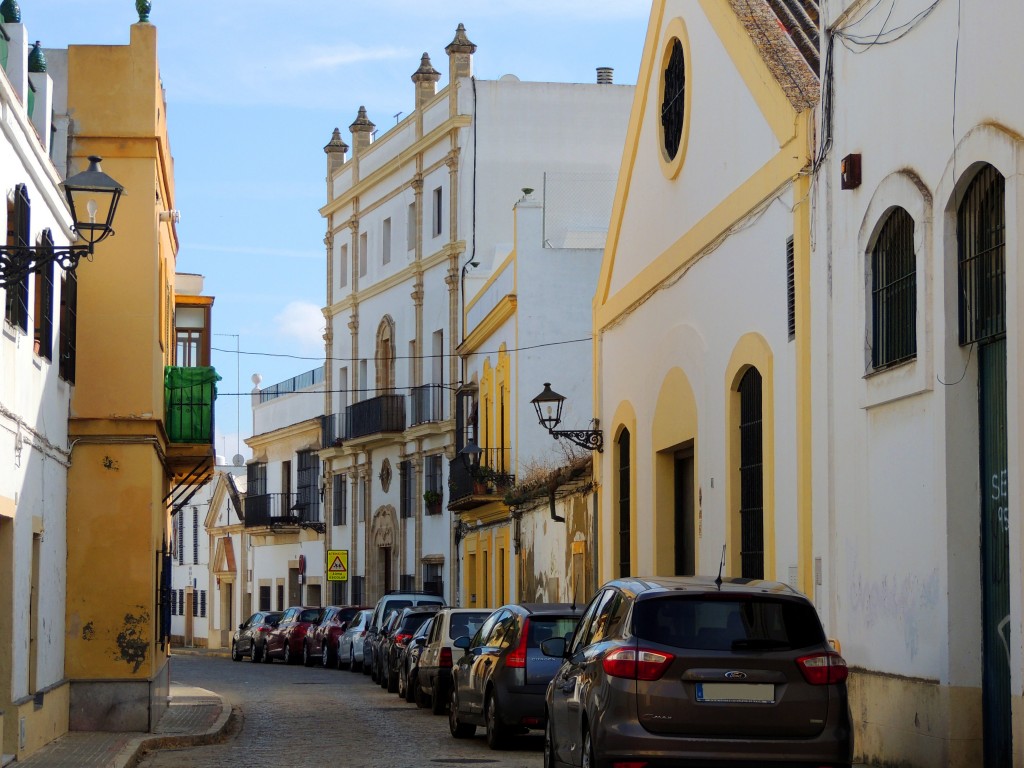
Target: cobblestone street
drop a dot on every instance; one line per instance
(294, 714)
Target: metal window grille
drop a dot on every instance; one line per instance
(308, 476)
(981, 251)
(18, 233)
(751, 477)
(202, 603)
(195, 535)
(791, 288)
(68, 326)
(405, 479)
(339, 592)
(407, 582)
(181, 538)
(340, 500)
(195, 605)
(256, 477)
(43, 320)
(624, 504)
(358, 590)
(432, 481)
(265, 598)
(433, 578)
(181, 602)
(174, 603)
(673, 100)
(894, 292)
(280, 597)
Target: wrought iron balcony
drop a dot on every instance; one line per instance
(189, 394)
(385, 413)
(428, 403)
(480, 484)
(332, 430)
(278, 510)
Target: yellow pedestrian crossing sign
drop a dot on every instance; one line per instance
(337, 565)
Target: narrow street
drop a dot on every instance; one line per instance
(313, 715)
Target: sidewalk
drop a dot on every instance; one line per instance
(194, 716)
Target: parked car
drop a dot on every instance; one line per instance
(500, 679)
(285, 639)
(391, 601)
(434, 678)
(321, 642)
(409, 660)
(375, 645)
(395, 641)
(677, 669)
(250, 637)
(350, 643)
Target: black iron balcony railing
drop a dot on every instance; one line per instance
(294, 384)
(283, 509)
(332, 430)
(477, 484)
(428, 403)
(189, 394)
(385, 413)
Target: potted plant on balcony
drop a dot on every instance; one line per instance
(484, 480)
(433, 501)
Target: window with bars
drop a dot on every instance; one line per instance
(256, 479)
(433, 578)
(308, 477)
(432, 483)
(981, 257)
(405, 479)
(751, 476)
(181, 602)
(174, 602)
(280, 597)
(43, 305)
(181, 538)
(264, 598)
(18, 234)
(339, 593)
(624, 503)
(202, 603)
(68, 333)
(791, 288)
(358, 590)
(195, 535)
(340, 500)
(894, 292)
(195, 605)
(407, 582)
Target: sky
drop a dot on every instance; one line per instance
(254, 91)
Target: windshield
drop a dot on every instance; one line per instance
(311, 615)
(701, 623)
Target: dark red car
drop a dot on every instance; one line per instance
(322, 640)
(286, 638)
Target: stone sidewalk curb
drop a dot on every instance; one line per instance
(220, 653)
(133, 752)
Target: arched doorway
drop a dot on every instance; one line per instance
(383, 548)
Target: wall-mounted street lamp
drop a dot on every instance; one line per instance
(549, 413)
(470, 454)
(92, 196)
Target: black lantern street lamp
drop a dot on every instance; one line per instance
(470, 454)
(549, 413)
(92, 197)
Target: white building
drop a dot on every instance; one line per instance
(919, 375)
(230, 601)
(410, 216)
(36, 378)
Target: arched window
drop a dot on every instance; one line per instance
(894, 292)
(751, 477)
(981, 255)
(385, 356)
(622, 460)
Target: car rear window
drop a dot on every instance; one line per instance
(756, 623)
(466, 624)
(544, 627)
(311, 615)
(413, 621)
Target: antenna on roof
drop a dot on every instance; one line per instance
(396, 116)
(721, 565)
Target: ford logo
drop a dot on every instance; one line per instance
(736, 675)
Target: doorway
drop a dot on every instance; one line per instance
(685, 548)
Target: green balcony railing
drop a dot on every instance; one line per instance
(189, 394)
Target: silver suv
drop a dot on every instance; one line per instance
(392, 601)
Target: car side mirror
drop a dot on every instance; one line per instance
(554, 646)
(421, 641)
(462, 642)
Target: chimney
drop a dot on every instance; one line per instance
(460, 55)
(426, 78)
(335, 150)
(361, 129)
(604, 75)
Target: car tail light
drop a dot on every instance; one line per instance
(446, 658)
(517, 659)
(637, 663)
(823, 668)
(402, 638)
(263, 629)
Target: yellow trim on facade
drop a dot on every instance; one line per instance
(752, 350)
(804, 426)
(502, 311)
(676, 30)
(508, 260)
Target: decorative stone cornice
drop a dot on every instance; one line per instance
(353, 324)
(452, 278)
(329, 241)
(352, 223)
(417, 290)
(461, 43)
(426, 73)
(452, 160)
(417, 183)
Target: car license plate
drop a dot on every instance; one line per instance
(758, 693)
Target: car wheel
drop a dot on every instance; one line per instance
(422, 700)
(325, 655)
(588, 750)
(549, 744)
(495, 730)
(374, 671)
(437, 700)
(392, 678)
(459, 729)
(307, 657)
(265, 655)
(410, 687)
(235, 655)
(352, 660)
(254, 654)
(403, 685)
(286, 656)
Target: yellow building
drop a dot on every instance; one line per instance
(130, 445)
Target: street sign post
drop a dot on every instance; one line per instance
(337, 565)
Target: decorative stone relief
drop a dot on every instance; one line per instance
(385, 475)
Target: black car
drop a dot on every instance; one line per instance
(250, 637)
(680, 670)
(500, 679)
(395, 641)
(375, 645)
(409, 661)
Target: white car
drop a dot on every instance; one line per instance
(434, 676)
(350, 644)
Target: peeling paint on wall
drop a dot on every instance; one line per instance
(109, 463)
(131, 641)
(88, 631)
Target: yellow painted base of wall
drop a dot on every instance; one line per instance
(914, 723)
(42, 725)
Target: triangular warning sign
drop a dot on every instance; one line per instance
(337, 566)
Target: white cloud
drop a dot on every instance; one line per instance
(301, 324)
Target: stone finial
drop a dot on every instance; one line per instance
(143, 7)
(36, 59)
(362, 123)
(336, 144)
(426, 72)
(11, 12)
(461, 43)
